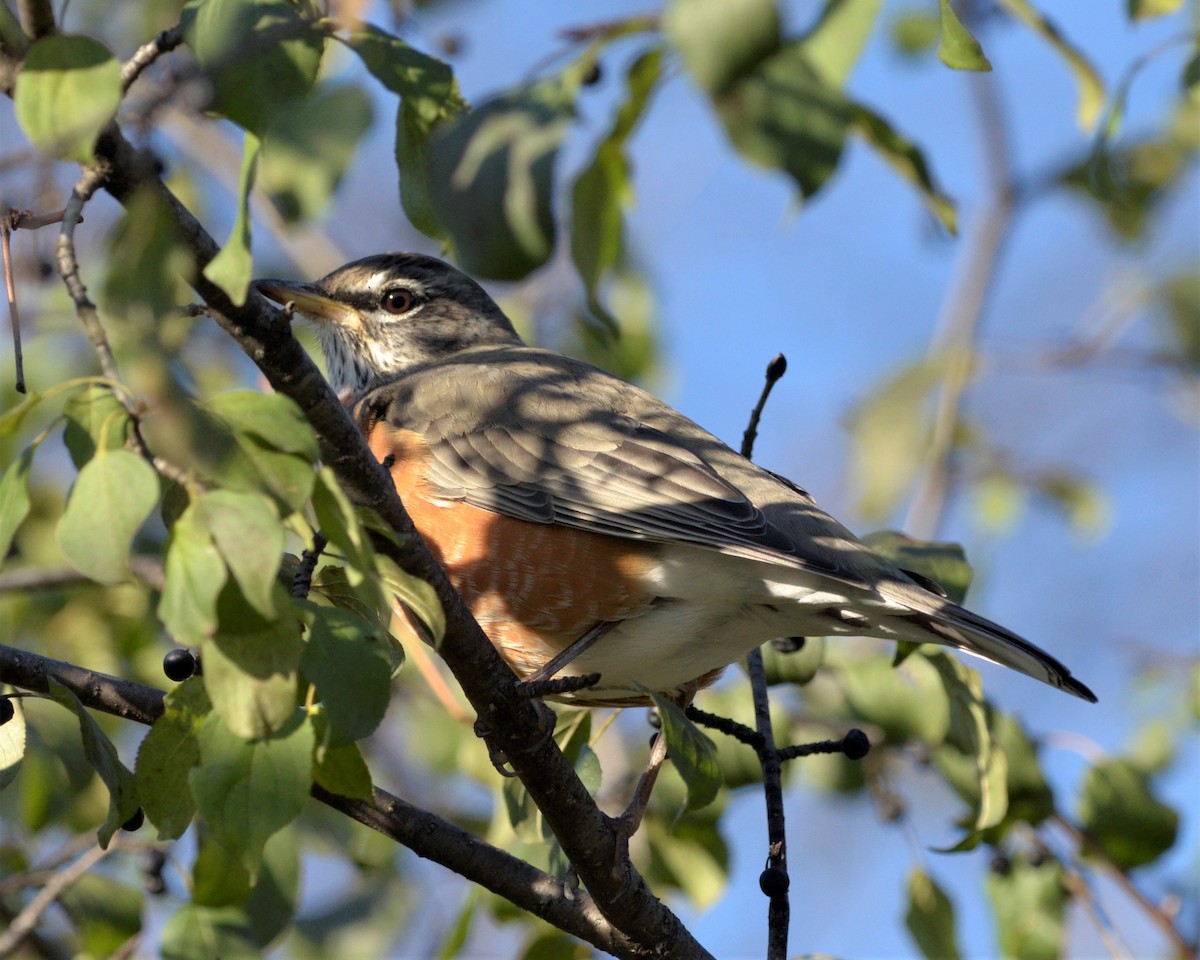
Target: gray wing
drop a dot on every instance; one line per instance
(550, 442)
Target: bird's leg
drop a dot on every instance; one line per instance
(544, 683)
(626, 824)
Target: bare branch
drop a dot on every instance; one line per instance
(147, 53)
(37, 18)
(145, 567)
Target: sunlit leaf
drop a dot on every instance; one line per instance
(195, 574)
(345, 659)
(260, 56)
(231, 268)
(930, 917)
(798, 667)
(201, 933)
(722, 40)
(148, 266)
(250, 667)
(1145, 9)
(415, 594)
(342, 770)
(248, 790)
(340, 523)
(246, 530)
(67, 90)
(958, 49)
(915, 31)
(491, 179)
(602, 191)
(270, 417)
(111, 499)
(12, 745)
(95, 419)
(166, 757)
(103, 758)
(837, 40)
(908, 701)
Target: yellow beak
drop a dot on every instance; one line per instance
(308, 302)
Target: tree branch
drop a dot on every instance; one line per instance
(425, 833)
(585, 834)
(27, 920)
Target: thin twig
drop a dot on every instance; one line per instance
(147, 53)
(779, 912)
(146, 567)
(27, 920)
(14, 315)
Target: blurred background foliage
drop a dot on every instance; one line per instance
(313, 134)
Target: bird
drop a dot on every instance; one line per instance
(591, 528)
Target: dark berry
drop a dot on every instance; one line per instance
(774, 882)
(855, 744)
(1000, 865)
(7, 711)
(789, 644)
(593, 76)
(179, 664)
(135, 822)
(152, 871)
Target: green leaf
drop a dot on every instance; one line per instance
(247, 791)
(958, 49)
(798, 667)
(111, 499)
(246, 530)
(194, 577)
(694, 755)
(342, 770)
(1083, 503)
(102, 757)
(415, 594)
(67, 91)
(95, 420)
(1119, 811)
(943, 563)
(1030, 799)
(721, 41)
(14, 499)
(105, 911)
(1087, 79)
(491, 179)
(1178, 298)
(970, 734)
(908, 701)
(930, 917)
(166, 758)
(11, 420)
(906, 159)
(1145, 9)
(339, 522)
(219, 879)
(782, 116)
(687, 853)
(836, 42)
(270, 417)
(232, 267)
(602, 191)
(574, 739)
(260, 56)
(429, 98)
(12, 745)
(348, 663)
(1028, 905)
(308, 147)
(251, 666)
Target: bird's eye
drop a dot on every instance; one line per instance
(397, 300)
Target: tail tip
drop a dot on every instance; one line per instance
(1073, 686)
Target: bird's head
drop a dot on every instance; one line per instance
(381, 316)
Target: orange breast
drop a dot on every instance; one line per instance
(534, 588)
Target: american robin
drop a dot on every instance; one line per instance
(590, 527)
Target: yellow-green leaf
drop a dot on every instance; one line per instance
(958, 49)
(231, 268)
(68, 89)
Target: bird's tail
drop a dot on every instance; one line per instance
(942, 621)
